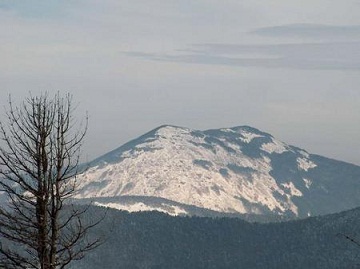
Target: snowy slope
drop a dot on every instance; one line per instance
(234, 170)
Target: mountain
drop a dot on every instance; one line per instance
(155, 240)
(238, 170)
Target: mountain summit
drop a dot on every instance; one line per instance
(237, 170)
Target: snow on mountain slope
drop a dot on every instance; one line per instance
(234, 170)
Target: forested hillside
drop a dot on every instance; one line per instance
(157, 240)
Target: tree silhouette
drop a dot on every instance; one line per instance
(39, 163)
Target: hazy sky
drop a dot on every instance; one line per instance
(290, 68)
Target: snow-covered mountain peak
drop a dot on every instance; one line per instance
(234, 170)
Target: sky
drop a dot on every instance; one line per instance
(289, 68)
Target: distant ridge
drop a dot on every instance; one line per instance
(237, 170)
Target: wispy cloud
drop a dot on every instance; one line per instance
(318, 56)
(310, 31)
(328, 47)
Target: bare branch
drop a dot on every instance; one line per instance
(38, 173)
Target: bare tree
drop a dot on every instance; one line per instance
(39, 162)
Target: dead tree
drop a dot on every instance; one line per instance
(39, 162)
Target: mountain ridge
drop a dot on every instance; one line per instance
(157, 240)
(235, 170)
(138, 139)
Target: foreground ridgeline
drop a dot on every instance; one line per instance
(157, 240)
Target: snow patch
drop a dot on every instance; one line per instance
(293, 190)
(247, 136)
(172, 131)
(137, 207)
(305, 164)
(230, 145)
(308, 182)
(274, 147)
